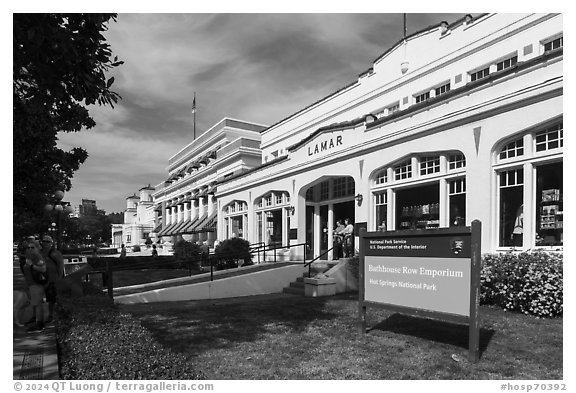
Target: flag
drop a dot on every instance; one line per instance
(194, 105)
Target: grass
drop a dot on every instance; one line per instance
(291, 337)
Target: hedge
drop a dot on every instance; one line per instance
(97, 341)
(530, 283)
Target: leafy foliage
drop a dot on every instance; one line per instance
(231, 250)
(59, 65)
(531, 283)
(98, 341)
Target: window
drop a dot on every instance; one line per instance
(554, 44)
(422, 97)
(457, 202)
(456, 161)
(429, 165)
(511, 208)
(403, 171)
(278, 199)
(442, 89)
(551, 138)
(381, 210)
(512, 149)
(483, 73)
(382, 177)
(324, 191)
(268, 200)
(502, 65)
(394, 108)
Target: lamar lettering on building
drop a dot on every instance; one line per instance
(324, 146)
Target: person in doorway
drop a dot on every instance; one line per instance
(338, 240)
(348, 233)
(518, 231)
(382, 226)
(55, 270)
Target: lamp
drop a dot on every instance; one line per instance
(359, 198)
(59, 207)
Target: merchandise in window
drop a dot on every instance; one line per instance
(418, 207)
(549, 206)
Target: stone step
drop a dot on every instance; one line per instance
(294, 291)
(297, 284)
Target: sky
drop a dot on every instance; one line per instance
(259, 68)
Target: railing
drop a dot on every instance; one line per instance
(202, 260)
(309, 264)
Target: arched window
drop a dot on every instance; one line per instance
(424, 191)
(532, 160)
(273, 218)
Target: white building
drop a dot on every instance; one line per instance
(138, 220)
(185, 204)
(454, 123)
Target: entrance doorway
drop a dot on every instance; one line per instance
(326, 202)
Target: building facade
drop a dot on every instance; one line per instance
(454, 123)
(185, 204)
(139, 219)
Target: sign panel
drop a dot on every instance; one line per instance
(435, 284)
(431, 273)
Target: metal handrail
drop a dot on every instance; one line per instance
(309, 264)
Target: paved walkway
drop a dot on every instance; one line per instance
(35, 353)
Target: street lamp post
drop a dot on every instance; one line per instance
(59, 207)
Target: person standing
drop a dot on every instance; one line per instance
(36, 278)
(338, 239)
(123, 251)
(154, 251)
(54, 269)
(348, 233)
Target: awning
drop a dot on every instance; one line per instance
(164, 232)
(178, 228)
(157, 229)
(204, 221)
(189, 226)
(211, 224)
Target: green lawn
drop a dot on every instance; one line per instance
(292, 337)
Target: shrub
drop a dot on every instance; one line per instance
(230, 251)
(136, 248)
(98, 341)
(187, 252)
(531, 283)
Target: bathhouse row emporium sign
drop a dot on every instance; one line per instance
(428, 273)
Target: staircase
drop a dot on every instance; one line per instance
(297, 287)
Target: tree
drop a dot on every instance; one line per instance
(59, 65)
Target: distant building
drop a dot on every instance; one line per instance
(138, 220)
(86, 208)
(185, 203)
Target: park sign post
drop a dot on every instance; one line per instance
(431, 273)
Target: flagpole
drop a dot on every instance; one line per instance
(194, 113)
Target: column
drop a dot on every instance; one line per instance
(211, 204)
(168, 218)
(193, 213)
(444, 204)
(317, 230)
(330, 230)
(201, 208)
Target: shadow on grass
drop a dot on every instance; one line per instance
(433, 330)
(199, 326)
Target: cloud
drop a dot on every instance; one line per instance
(255, 67)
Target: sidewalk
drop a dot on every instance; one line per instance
(35, 353)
